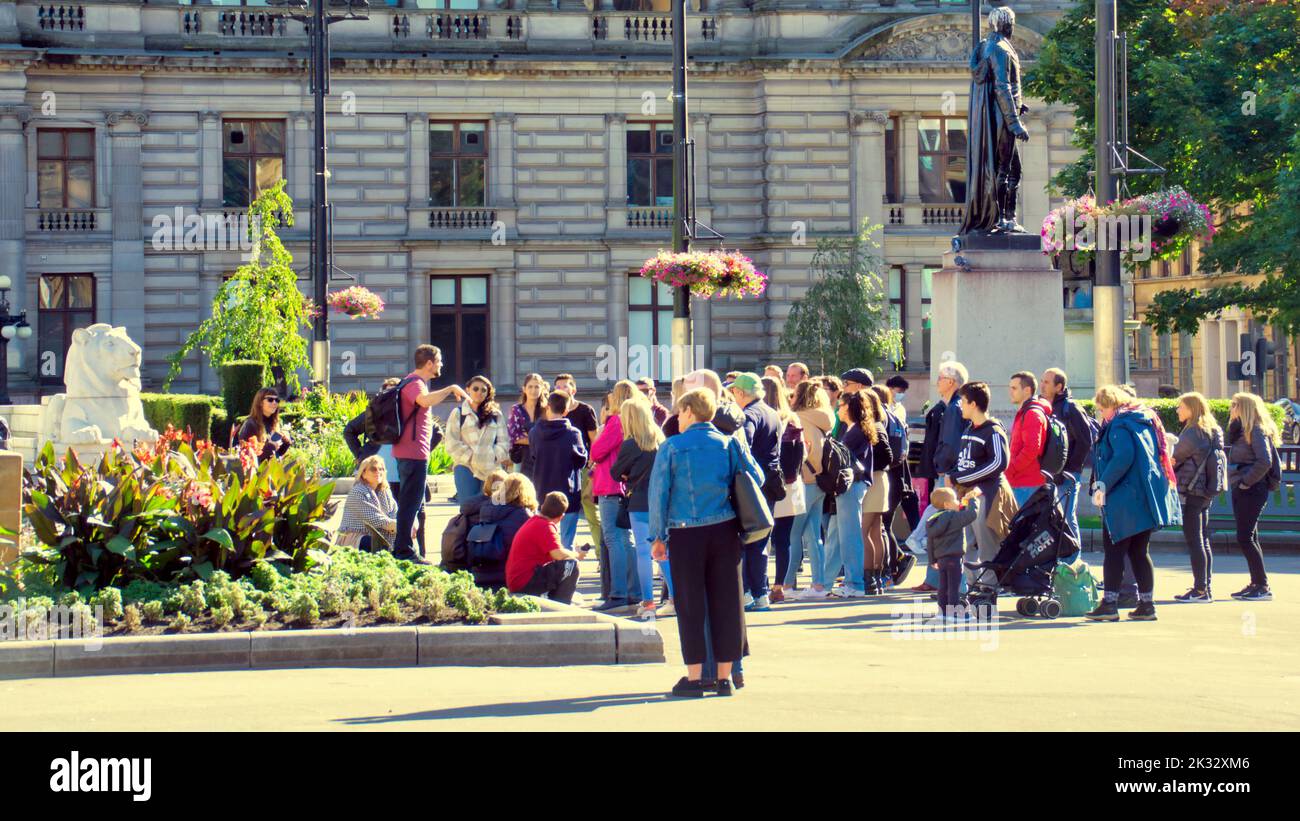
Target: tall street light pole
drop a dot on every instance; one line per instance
(1110, 356)
(322, 253)
(682, 347)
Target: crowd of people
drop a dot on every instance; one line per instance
(827, 460)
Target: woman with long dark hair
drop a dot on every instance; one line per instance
(844, 544)
(523, 415)
(875, 505)
(476, 439)
(263, 424)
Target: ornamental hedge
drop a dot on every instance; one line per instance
(193, 412)
(1167, 410)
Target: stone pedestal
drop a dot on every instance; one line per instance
(998, 311)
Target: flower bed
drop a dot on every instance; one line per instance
(707, 273)
(348, 589)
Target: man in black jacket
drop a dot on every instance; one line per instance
(559, 454)
(763, 429)
(1079, 438)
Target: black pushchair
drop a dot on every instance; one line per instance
(1027, 558)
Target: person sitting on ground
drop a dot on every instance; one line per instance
(945, 541)
(538, 565)
(509, 508)
(455, 534)
(263, 424)
(370, 512)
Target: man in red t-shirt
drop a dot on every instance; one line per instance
(411, 451)
(538, 564)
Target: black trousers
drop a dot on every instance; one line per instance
(1196, 532)
(410, 504)
(1134, 548)
(556, 580)
(396, 488)
(1247, 505)
(706, 582)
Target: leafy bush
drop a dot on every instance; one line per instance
(241, 379)
(439, 461)
(152, 611)
(1167, 410)
(185, 412)
(174, 513)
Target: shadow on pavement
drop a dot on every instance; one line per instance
(559, 706)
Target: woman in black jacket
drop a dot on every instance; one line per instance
(632, 466)
(1197, 459)
(875, 505)
(263, 424)
(1252, 452)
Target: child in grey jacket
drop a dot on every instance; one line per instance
(945, 538)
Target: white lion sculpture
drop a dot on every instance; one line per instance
(102, 373)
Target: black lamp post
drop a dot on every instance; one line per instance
(318, 23)
(11, 325)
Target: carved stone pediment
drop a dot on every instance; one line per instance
(932, 38)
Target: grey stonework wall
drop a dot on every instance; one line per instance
(776, 146)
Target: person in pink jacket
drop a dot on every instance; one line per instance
(619, 564)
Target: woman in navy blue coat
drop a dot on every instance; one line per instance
(1133, 493)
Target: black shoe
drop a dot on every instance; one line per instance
(1260, 592)
(610, 604)
(723, 687)
(1244, 592)
(1106, 611)
(905, 565)
(413, 558)
(685, 688)
(738, 680)
(1145, 611)
(1195, 595)
(1127, 602)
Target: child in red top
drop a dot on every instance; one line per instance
(538, 565)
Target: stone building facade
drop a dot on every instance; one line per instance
(495, 172)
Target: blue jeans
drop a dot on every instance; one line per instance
(569, 528)
(618, 541)
(1069, 491)
(641, 545)
(754, 567)
(467, 485)
(1022, 494)
(844, 537)
(806, 533)
(410, 501)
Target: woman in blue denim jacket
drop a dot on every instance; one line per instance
(690, 507)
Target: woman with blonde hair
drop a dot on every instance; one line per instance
(512, 501)
(608, 492)
(1133, 494)
(813, 408)
(1254, 470)
(370, 511)
(1200, 469)
(635, 460)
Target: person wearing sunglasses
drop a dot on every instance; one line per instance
(646, 386)
(477, 440)
(263, 424)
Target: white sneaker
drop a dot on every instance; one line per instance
(577, 599)
(810, 594)
(847, 592)
(665, 609)
(645, 612)
(747, 601)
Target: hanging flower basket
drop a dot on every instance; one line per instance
(357, 302)
(1176, 222)
(707, 274)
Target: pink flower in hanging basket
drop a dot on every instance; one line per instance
(357, 302)
(707, 273)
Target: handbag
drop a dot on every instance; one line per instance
(753, 516)
(518, 453)
(623, 519)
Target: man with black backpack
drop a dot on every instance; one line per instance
(1029, 437)
(415, 442)
(1081, 433)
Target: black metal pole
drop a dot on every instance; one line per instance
(1110, 356)
(974, 24)
(321, 252)
(681, 189)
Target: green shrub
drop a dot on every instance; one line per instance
(241, 379)
(1167, 410)
(439, 462)
(152, 611)
(179, 624)
(221, 616)
(131, 618)
(193, 601)
(192, 412)
(110, 598)
(220, 427)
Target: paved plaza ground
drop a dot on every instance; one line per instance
(835, 665)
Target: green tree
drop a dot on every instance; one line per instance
(1214, 97)
(258, 313)
(842, 321)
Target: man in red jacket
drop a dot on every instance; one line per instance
(1028, 437)
(538, 564)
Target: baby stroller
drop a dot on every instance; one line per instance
(1027, 557)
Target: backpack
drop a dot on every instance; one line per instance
(897, 432)
(793, 453)
(455, 544)
(1075, 587)
(1274, 477)
(486, 546)
(1211, 478)
(1056, 449)
(384, 422)
(837, 468)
